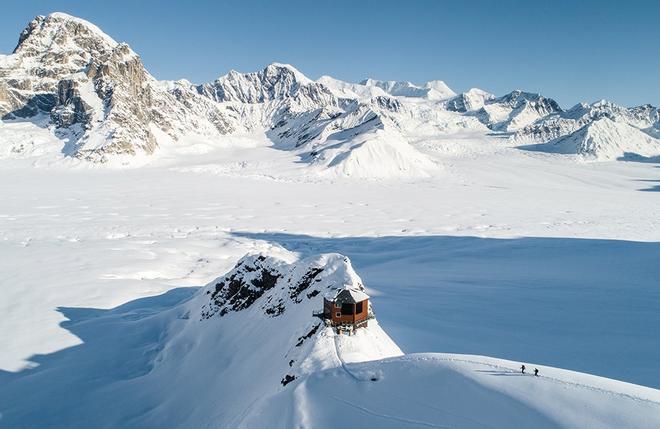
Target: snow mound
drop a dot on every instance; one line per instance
(451, 391)
(377, 154)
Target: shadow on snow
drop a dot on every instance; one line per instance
(582, 304)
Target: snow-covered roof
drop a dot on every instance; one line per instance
(349, 295)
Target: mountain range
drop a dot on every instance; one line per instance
(99, 102)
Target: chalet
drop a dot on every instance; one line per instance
(349, 307)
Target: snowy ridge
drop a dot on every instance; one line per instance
(258, 319)
(325, 374)
(275, 365)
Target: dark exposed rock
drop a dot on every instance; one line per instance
(302, 339)
(304, 283)
(246, 284)
(287, 379)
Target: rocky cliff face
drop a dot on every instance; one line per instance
(96, 91)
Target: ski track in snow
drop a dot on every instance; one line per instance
(389, 417)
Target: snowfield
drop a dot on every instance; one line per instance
(164, 245)
(517, 255)
(212, 357)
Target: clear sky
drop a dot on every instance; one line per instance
(568, 50)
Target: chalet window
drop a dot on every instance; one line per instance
(337, 305)
(358, 307)
(347, 308)
(337, 314)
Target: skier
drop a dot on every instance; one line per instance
(536, 372)
(522, 369)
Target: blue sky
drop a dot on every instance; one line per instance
(569, 50)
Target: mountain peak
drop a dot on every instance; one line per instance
(275, 68)
(45, 33)
(276, 81)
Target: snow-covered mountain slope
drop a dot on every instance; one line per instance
(468, 101)
(94, 100)
(275, 82)
(335, 134)
(100, 98)
(514, 110)
(600, 131)
(605, 140)
(246, 351)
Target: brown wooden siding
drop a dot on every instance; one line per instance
(347, 318)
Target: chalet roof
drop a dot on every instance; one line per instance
(350, 295)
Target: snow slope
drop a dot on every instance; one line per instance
(606, 140)
(245, 351)
(446, 391)
(601, 131)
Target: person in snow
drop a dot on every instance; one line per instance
(536, 372)
(522, 369)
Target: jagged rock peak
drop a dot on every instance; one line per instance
(275, 82)
(59, 31)
(518, 98)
